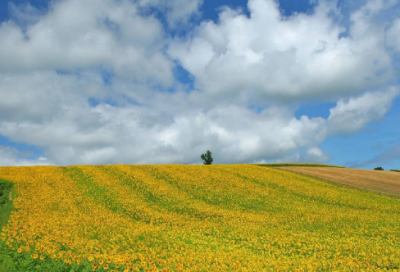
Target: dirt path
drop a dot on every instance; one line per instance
(383, 182)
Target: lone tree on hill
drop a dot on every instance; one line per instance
(207, 158)
(378, 168)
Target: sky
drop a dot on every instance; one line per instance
(161, 82)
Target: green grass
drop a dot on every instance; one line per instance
(11, 261)
(6, 207)
(297, 164)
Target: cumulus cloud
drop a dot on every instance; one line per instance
(176, 12)
(316, 155)
(82, 134)
(393, 35)
(13, 157)
(268, 56)
(312, 155)
(25, 14)
(51, 111)
(39, 97)
(93, 82)
(350, 115)
(78, 35)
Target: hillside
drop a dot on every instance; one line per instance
(193, 218)
(381, 182)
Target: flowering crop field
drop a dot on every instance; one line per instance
(194, 218)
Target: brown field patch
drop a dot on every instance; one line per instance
(382, 182)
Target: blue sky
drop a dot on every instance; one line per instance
(142, 82)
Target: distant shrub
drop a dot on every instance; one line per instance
(378, 168)
(395, 170)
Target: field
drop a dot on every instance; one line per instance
(381, 182)
(297, 165)
(193, 218)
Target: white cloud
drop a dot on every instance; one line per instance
(70, 131)
(178, 11)
(313, 155)
(24, 14)
(350, 115)
(123, 135)
(38, 97)
(237, 63)
(12, 157)
(267, 56)
(393, 35)
(316, 155)
(88, 34)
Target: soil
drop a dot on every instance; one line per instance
(382, 182)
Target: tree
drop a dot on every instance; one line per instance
(207, 158)
(378, 168)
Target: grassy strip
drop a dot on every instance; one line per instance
(11, 260)
(297, 164)
(151, 197)
(6, 207)
(94, 191)
(5, 204)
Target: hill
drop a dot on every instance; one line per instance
(193, 218)
(381, 182)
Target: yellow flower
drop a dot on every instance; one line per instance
(197, 218)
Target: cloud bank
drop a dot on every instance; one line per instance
(96, 82)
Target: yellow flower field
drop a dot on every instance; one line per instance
(198, 218)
